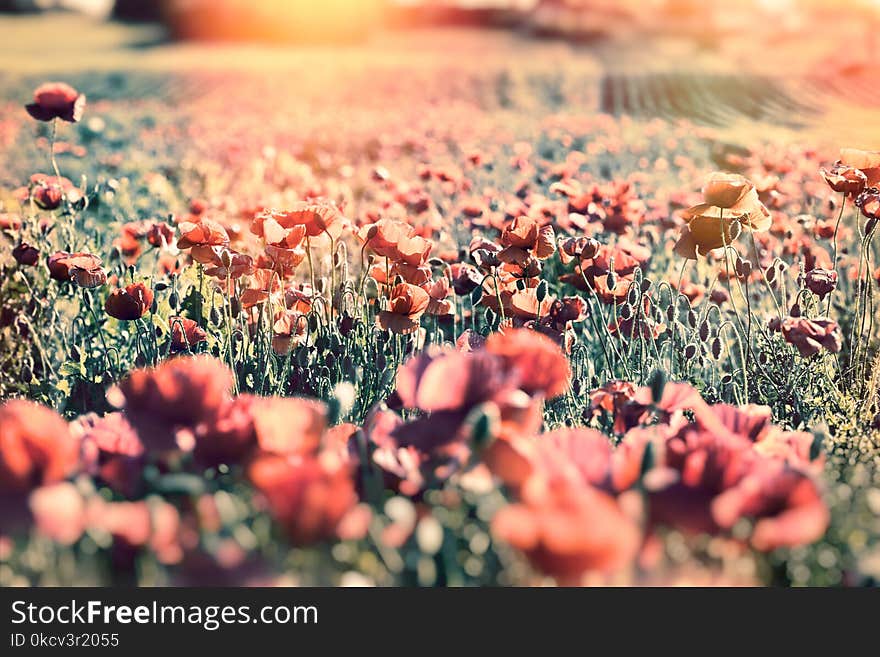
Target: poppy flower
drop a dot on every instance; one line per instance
(539, 363)
(785, 504)
(289, 426)
(112, 451)
(313, 499)
(523, 238)
(845, 179)
(48, 192)
(868, 162)
(465, 278)
(810, 336)
(406, 306)
(129, 303)
(159, 234)
(36, 446)
(185, 333)
(440, 304)
(395, 240)
(290, 328)
(284, 246)
(821, 281)
(869, 203)
(450, 380)
(316, 218)
(728, 198)
(57, 100)
(567, 531)
(227, 436)
(228, 264)
(59, 512)
(182, 391)
(25, 254)
(84, 269)
(205, 233)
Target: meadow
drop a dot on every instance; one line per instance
(354, 320)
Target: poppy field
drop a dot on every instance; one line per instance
(428, 327)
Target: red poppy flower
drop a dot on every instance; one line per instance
(204, 233)
(845, 179)
(183, 391)
(112, 451)
(396, 241)
(84, 269)
(36, 446)
(541, 366)
(185, 333)
(316, 218)
(313, 499)
(228, 435)
(810, 336)
(159, 234)
(407, 304)
(289, 426)
(129, 303)
(25, 254)
(57, 100)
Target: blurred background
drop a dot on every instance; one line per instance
(787, 64)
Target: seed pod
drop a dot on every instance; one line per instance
(174, 300)
(541, 292)
(657, 382)
(704, 330)
(716, 348)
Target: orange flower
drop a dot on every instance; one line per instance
(289, 426)
(180, 392)
(396, 241)
(315, 217)
(844, 179)
(228, 264)
(129, 303)
(290, 328)
(314, 498)
(199, 237)
(728, 198)
(539, 362)
(810, 336)
(570, 532)
(84, 269)
(868, 162)
(36, 447)
(185, 333)
(57, 100)
(407, 304)
(524, 238)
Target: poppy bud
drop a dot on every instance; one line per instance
(657, 383)
(716, 348)
(690, 352)
(541, 292)
(25, 254)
